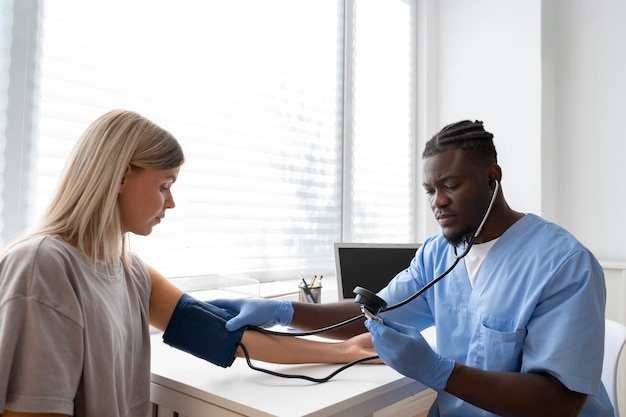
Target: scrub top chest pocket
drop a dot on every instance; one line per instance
(496, 350)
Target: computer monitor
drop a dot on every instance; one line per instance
(369, 265)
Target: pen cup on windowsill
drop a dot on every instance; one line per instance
(313, 295)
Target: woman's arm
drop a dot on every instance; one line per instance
(290, 350)
(261, 346)
(163, 299)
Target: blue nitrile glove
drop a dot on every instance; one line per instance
(255, 312)
(197, 327)
(405, 350)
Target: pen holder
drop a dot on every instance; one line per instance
(316, 293)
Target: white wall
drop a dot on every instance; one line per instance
(548, 78)
(488, 67)
(591, 90)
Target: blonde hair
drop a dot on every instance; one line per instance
(84, 209)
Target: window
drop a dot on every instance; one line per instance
(380, 146)
(296, 118)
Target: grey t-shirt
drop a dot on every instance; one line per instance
(74, 337)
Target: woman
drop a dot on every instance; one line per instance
(76, 305)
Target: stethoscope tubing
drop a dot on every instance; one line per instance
(457, 258)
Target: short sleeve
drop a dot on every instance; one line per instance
(40, 357)
(577, 305)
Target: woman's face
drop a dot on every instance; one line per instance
(143, 197)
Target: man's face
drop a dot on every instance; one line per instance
(458, 192)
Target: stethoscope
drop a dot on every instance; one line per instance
(371, 306)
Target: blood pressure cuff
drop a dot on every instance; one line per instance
(199, 328)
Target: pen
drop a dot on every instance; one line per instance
(307, 291)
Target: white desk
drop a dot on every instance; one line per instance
(193, 387)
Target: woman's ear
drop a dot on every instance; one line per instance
(126, 172)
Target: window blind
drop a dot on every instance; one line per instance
(381, 141)
(253, 92)
(256, 93)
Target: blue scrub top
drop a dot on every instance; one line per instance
(537, 306)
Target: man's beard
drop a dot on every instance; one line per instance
(460, 238)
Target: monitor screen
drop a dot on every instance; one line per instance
(370, 265)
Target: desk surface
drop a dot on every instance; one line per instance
(192, 386)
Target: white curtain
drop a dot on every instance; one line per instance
(296, 117)
(20, 29)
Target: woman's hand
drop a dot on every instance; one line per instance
(360, 346)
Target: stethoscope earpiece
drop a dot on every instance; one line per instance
(370, 303)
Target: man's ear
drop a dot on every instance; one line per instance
(494, 172)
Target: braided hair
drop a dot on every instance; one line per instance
(466, 135)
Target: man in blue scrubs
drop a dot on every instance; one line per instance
(520, 319)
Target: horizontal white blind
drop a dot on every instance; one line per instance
(382, 180)
(253, 92)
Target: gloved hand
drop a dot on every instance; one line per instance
(405, 350)
(255, 312)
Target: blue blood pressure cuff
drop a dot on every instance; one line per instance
(199, 328)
